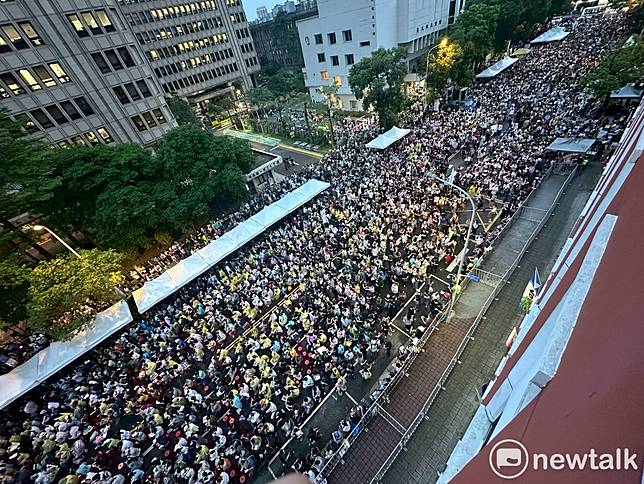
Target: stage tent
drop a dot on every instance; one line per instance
(571, 145)
(61, 353)
(385, 140)
(495, 69)
(627, 92)
(555, 34)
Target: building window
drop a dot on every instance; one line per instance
(349, 59)
(138, 123)
(113, 60)
(105, 21)
(14, 37)
(92, 138)
(3, 93)
(100, 62)
(105, 135)
(4, 47)
(159, 115)
(59, 72)
(321, 58)
(27, 123)
(120, 94)
(30, 80)
(331, 37)
(143, 88)
(335, 60)
(149, 119)
(84, 106)
(12, 83)
(40, 116)
(44, 75)
(346, 35)
(91, 22)
(78, 26)
(70, 110)
(78, 140)
(324, 75)
(365, 43)
(57, 114)
(337, 80)
(353, 105)
(125, 55)
(31, 33)
(318, 39)
(131, 90)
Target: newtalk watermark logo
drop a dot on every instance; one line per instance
(509, 459)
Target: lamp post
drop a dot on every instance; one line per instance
(42, 227)
(467, 239)
(444, 41)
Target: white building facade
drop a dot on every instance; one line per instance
(345, 32)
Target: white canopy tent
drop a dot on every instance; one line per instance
(192, 267)
(385, 140)
(555, 34)
(495, 69)
(627, 92)
(61, 353)
(571, 145)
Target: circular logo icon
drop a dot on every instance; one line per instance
(508, 459)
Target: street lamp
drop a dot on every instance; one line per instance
(42, 227)
(443, 43)
(467, 239)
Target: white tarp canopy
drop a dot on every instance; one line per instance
(385, 140)
(192, 267)
(61, 353)
(555, 34)
(627, 92)
(495, 69)
(571, 145)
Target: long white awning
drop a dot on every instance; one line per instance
(571, 145)
(385, 140)
(555, 34)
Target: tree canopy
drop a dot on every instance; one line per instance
(622, 65)
(65, 292)
(377, 81)
(14, 286)
(182, 110)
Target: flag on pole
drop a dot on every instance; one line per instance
(531, 291)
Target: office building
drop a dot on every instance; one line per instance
(262, 14)
(72, 73)
(197, 49)
(285, 51)
(342, 33)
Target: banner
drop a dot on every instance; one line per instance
(531, 291)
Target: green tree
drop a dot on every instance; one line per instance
(284, 34)
(622, 65)
(182, 110)
(65, 292)
(286, 82)
(378, 80)
(14, 287)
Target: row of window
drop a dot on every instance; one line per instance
(347, 36)
(118, 59)
(174, 86)
(247, 48)
(335, 60)
(32, 78)
(137, 18)
(21, 37)
(96, 22)
(130, 92)
(251, 62)
(54, 114)
(237, 17)
(192, 63)
(243, 33)
(148, 120)
(90, 138)
(189, 46)
(179, 30)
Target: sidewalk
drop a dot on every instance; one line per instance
(430, 447)
(364, 460)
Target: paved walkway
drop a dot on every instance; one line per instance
(370, 451)
(449, 416)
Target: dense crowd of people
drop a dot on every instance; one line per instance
(208, 385)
